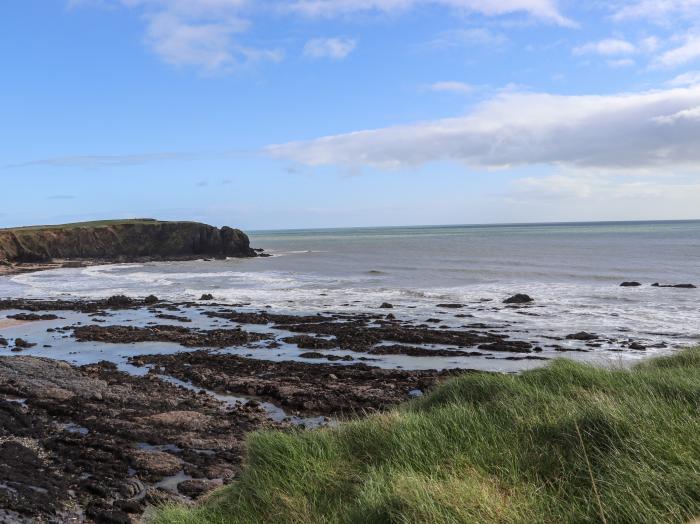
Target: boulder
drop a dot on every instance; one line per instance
(195, 488)
(630, 284)
(179, 419)
(582, 335)
(519, 298)
(157, 463)
(118, 301)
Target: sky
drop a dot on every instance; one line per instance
(274, 114)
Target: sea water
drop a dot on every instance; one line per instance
(573, 272)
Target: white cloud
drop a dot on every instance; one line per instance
(101, 161)
(452, 87)
(649, 44)
(543, 9)
(686, 52)
(468, 37)
(606, 47)
(199, 33)
(659, 11)
(611, 131)
(580, 195)
(692, 114)
(686, 79)
(334, 48)
(622, 62)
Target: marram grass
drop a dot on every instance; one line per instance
(566, 443)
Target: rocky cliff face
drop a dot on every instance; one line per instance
(122, 241)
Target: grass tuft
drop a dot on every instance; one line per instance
(566, 443)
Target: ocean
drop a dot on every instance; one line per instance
(573, 271)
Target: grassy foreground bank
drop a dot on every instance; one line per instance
(567, 443)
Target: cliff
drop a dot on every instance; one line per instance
(122, 240)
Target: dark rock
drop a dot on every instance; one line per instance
(413, 351)
(167, 333)
(32, 317)
(344, 358)
(312, 354)
(119, 301)
(108, 417)
(679, 286)
(637, 346)
(630, 284)
(309, 342)
(166, 316)
(314, 388)
(386, 305)
(197, 487)
(511, 346)
(3, 342)
(451, 306)
(582, 335)
(151, 299)
(108, 516)
(519, 298)
(23, 344)
(207, 296)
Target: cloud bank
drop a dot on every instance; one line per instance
(628, 130)
(543, 9)
(206, 34)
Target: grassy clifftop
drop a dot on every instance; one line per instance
(92, 223)
(121, 240)
(567, 443)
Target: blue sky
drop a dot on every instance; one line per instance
(323, 113)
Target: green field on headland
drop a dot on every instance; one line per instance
(566, 443)
(93, 223)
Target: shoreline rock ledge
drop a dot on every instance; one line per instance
(121, 241)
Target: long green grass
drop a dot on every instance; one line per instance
(566, 443)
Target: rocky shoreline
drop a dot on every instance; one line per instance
(162, 412)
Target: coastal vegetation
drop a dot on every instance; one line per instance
(91, 223)
(566, 443)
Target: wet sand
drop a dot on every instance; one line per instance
(10, 323)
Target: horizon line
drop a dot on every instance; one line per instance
(484, 224)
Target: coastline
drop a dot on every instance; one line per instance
(17, 268)
(149, 396)
(10, 269)
(174, 388)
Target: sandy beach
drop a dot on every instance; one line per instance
(10, 323)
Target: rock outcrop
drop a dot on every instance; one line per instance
(122, 241)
